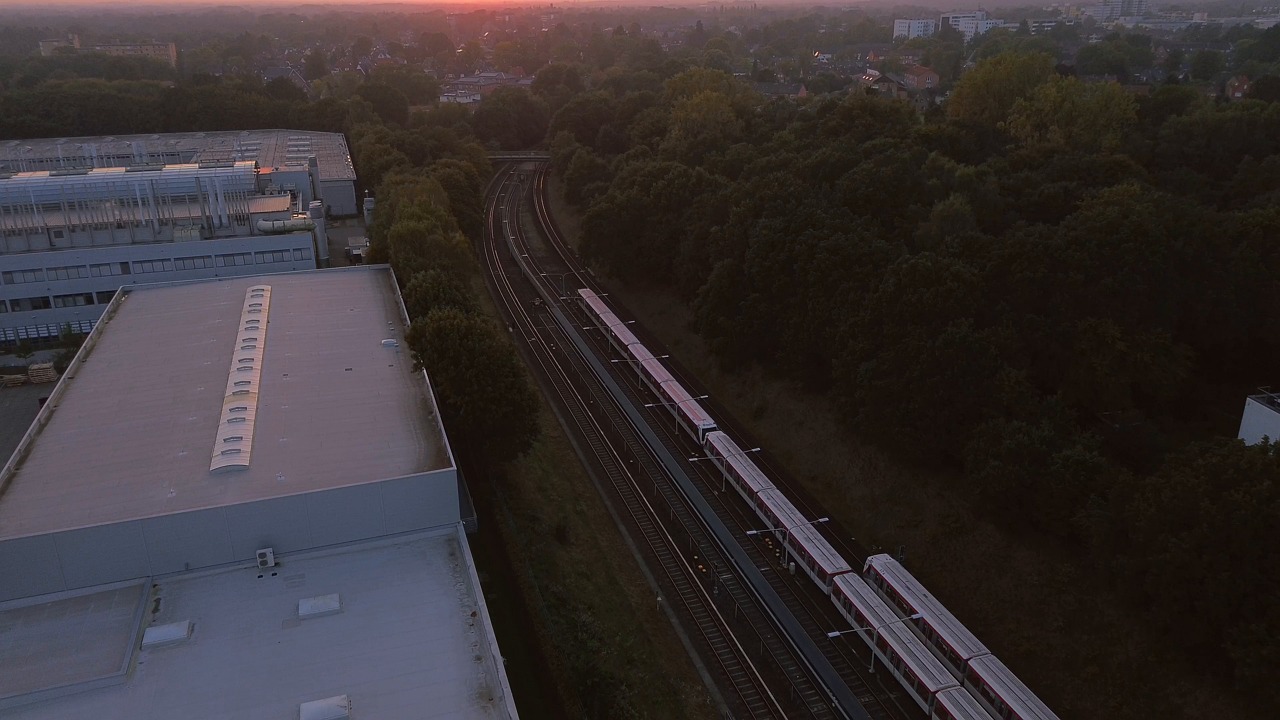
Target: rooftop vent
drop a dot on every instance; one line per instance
(266, 558)
(334, 708)
(319, 606)
(240, 401)
(170, 634)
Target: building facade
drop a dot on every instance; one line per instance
(971, 23)
(70, 238)
(914, 28)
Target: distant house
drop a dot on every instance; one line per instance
(1237, 87)
(484, 83)
(783, 90)
(876, 83)
(918, 77)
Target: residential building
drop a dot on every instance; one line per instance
(914, 28)
(260, 518)
(918, 77)
(1237, 87)
(1108, 11)
(782, 90)
(288, 73)
(971, 23)
(166, 53)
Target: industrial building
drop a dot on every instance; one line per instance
(76, 227)
(239, 501)
(281, 155)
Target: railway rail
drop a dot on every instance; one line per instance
(672, 541)
(812, 610)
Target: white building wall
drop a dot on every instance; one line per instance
(915, 28)
(84, 557)
(222, 257)
(1259, 420)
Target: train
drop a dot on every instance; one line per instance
(942, 666)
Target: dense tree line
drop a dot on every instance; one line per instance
(1041, 289)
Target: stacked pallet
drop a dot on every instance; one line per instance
(42, 373)
(12, 380)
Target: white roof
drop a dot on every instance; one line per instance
(410, 641)
(962, 706)
(932, 675)
(1011, 690)
(129, 431)
(950, 629)
(282, 149)
(733, 456)
(786, 513)
(826, 556)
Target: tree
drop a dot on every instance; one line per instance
(1265, 88)
(1069, 113)
(986, 94)
(418, 87)
(361, 48)
(511, 118)
(436, 289)
(389, 103)
(1206, 64)
(1173, 61)
(486, 401)
(314, 66)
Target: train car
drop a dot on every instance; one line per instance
(735, 467)
(801, 540)
(921, 674)
(997, 688)
(614, 329)
(949, 639)
(957, 704)
(820, 561)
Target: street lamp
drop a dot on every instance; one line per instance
(726, 456)
(664, 404)
(875, 634)
(786, 532)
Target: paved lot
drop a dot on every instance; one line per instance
(18, 407)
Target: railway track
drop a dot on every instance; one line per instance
(747, 689)
(812, 609)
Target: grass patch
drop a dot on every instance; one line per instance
(1068, 636)
(612, 653)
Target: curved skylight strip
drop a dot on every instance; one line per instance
(233, 446)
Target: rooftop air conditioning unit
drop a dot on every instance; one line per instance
(266, 558)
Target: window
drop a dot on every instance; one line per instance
(233, 259)
(272, 256)
(302, 253)
(4, 307)
(104, 297)
(109, 269)
(201, 262)
(18, 277)
(70, 272)
(73, 300)
(153, 266)
(31, 303)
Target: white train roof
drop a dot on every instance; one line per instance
(734, 457)
(931, 673)
(1011, 690)
(950, 629)
(962, 706)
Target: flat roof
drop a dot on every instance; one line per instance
(411, 640)
(130, 432)
(280, 149)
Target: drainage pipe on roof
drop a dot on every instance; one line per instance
(284, 226)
